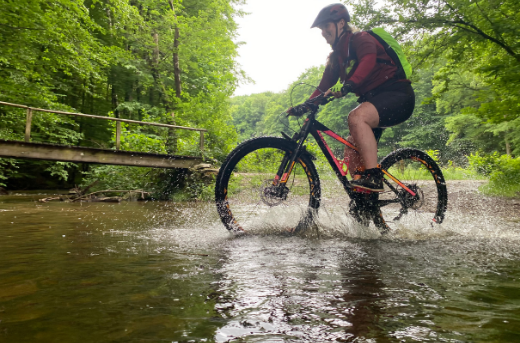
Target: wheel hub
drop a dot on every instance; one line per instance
(273, 195)
(411, 201)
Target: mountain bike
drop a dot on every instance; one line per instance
(273, 181)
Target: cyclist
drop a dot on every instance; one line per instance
(362, 66)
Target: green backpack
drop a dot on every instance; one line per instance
(393, 49)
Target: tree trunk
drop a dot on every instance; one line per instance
(155, 60)
(172, 142)
(115, 103)
(176, 67)
(155, 66)
(508, 147)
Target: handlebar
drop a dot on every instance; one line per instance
(313, 104)
(320, 100)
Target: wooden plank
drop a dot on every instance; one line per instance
(55, 152)
(28, 122)
(118, 135)
(202, 142)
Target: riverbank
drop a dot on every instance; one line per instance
(464, 196)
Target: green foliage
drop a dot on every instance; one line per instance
(504, 180)
(169, 61)
(264, 113)
(485, 164)
(8, 167)
(434, 154)
(503, 172)
(453, 172)
(60, 169)
(119, 178)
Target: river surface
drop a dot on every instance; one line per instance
(170, 272)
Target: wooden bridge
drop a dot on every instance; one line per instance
(55, 152)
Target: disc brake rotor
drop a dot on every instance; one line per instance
(273, 195)
(410, 201)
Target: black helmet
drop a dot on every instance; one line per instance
(333, 12)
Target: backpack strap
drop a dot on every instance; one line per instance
(350, 50)
(400, 73)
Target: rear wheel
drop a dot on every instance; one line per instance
(420, 174)
(248, 198)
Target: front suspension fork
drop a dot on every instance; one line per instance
(289, 160)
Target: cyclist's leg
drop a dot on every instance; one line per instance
(392, 107)
(356, 164)
(355, 161)
(361, 121)
(389, 108)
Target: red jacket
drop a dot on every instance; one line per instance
(366, 66)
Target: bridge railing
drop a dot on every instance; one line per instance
(31, 110)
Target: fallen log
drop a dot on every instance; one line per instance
(77, 196)
(111, 191)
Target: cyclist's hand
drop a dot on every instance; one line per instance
(338, 91)
(321, 99)
(298, 111)
(331, 93)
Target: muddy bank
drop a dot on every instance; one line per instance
(464, 196)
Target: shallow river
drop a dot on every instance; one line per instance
(167, 272)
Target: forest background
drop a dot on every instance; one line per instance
(174, 61)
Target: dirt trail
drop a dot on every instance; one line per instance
(463, 196)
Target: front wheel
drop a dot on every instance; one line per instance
(248, 198)
(419, 173)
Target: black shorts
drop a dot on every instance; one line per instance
(394, 101)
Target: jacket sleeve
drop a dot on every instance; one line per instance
(365, 65)
(329, 79)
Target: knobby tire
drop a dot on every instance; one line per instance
(420, 172)
(246, 176)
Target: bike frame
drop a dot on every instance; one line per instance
(340, 167)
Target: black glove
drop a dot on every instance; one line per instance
(298, 110)
(325, 100)
(347, 88)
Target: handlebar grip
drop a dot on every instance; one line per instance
(325, 101)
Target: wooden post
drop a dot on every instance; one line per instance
(28, 125)
(202, 142)
(118, 135)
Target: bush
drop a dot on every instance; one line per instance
(485, 164)
(503, 172)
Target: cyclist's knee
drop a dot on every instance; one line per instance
(363, 115)
(355, 117)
